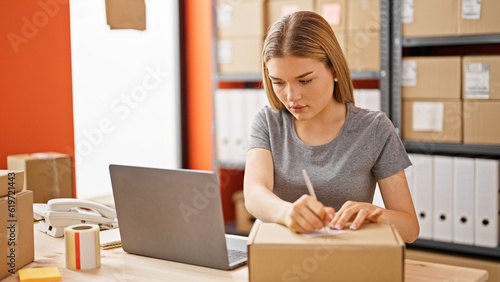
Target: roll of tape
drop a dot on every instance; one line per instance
(82, 246)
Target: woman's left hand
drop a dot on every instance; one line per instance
(356, 213)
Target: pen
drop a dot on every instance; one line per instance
(310, 188)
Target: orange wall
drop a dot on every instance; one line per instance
(198, 36)
(36, 110)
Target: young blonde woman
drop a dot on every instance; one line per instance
(314, 125)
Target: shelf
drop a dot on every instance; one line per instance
(451, 40)
(256, 77)
(231, 165)
(457, 248)
(450, 148)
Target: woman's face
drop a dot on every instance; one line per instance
(304, 85)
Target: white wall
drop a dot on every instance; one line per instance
(125, 93)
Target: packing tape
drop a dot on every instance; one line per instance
(82, 246)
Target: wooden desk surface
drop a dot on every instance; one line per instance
(117, 265)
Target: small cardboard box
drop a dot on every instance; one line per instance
(364, 15)
(244, 220)
(430, 18)
(240, 55)
(16, 232)
(49, 175)
(126, 14)
(478, 17)
(363, 50)
(334, 12)
(11, 181)
(432, 120)
(431, 77)
(481, 122)
(481, 77)
(375, 252)
(275, 9)
(233, 18)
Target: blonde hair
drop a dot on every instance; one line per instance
(306, 34)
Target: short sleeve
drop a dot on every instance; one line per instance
(392, 157)
(259, 131)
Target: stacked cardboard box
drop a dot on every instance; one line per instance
(432, 108)
(363, 35)
(16, 223)
(49, 175)
(426, 18)
(335, 13)
(240, 33)
(481, 96)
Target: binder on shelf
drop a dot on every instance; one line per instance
(237, 116)
(410, 176)
(487, 210)
(443, 200)
(463, 200)
(223, 125)
(423, 189)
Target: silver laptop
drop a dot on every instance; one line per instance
(174, 215)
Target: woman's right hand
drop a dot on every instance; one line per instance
(308, 214)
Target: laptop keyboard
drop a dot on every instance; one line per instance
(235, 255)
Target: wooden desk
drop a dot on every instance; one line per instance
(117, 265)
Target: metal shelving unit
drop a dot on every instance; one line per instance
(486, 151)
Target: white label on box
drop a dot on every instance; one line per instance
(471, 9)
(289, 9)
(331, 13)
(225, 52)
(428, 116)
(409, 73)
(407, 12)
(477, 81)
(224, 16)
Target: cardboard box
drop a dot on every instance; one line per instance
(364, 15)
(481, 77)
(244, 220)
(11, 181)
(126, 14)
(478, 17)
(432, 121)
(481, 122)
(342, 39)
(233, 18)
(363, 50)
(431, 77)
(375, 252)
(278, 8)
(430, 18)
(16, 232)
(49, 175)
(240, 55)
(335, 13)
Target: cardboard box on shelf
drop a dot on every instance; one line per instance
(279, 8)
(431, 77)
(342, 39)
(432, 120)
(478, 17)
(126, 14)
(481, 77)
(363, 50)
(430, 18)
(364, 15)
(16, 232)
(11, 181)
(233, 18)
(481, 122)
(335, 13)
(275, 253)
(239, 55)
(49, 175)
(244, 220)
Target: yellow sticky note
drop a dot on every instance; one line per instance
(39, 274)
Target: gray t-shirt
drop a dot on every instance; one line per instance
(366, 149)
